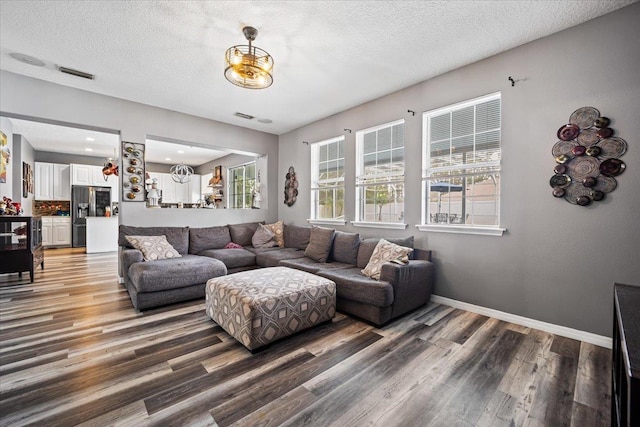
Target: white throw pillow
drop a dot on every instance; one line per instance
(153, 247)
(385, 252)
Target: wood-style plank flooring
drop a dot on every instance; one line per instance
(75, 352)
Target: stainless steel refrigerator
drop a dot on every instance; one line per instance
(87, 201)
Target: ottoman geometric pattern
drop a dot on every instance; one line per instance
(257, 307)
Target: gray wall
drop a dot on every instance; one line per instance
(23, 152)
(49, 157)
(557, 262)
(24, 96)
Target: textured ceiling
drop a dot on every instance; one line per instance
(329, 55)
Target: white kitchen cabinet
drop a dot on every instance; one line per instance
(88, 175)
(47, 227)
(61, 182)
(174, 192)
(52, 181)
(56, 231)
(61, 231)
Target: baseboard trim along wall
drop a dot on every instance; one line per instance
(563, 331)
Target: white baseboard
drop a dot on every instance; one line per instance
(563, 331)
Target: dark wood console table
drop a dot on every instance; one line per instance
(625, 373)
(20, 244)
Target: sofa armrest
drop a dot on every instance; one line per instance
(128, 257)
(412, 284)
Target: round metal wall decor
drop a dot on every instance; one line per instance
(586, 158)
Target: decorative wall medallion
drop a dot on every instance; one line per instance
(290, 187)
(586, 158)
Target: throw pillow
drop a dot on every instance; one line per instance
(277, 229)
(320, 243)
(385, 252)
(153, 247)
(263, 238)
(232, 245)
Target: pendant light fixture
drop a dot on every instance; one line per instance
(249, 66)
(181, 173)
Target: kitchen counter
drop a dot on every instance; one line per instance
(102, 234)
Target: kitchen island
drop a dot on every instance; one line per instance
(102, 234)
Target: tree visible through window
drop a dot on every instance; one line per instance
(380, 173)
(327, 179)
(462, 151)
(242, 183)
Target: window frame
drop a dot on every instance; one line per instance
(315, 188)
(427, 171)
(230, 185)
(361, 185)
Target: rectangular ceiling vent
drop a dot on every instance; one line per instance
(244, 116)
(76, 73)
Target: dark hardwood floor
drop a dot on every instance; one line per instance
(75, 352)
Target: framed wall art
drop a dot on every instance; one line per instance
(132, 175)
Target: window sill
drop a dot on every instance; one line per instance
(390, 225)
(327, 221)
(459, 229)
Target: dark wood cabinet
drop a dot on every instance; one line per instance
(20, 244)
(625, 369)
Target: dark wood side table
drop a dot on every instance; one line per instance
(625, 369)
(20, 244)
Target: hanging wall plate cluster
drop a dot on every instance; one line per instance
(133, 177)
(586, 158)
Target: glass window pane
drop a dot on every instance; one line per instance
(462, 122)
(369, 143)
(384, 139)
(332, 151)
(398, 136)
(440, 127)
(322, 154)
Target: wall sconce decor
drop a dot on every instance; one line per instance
(586, 158)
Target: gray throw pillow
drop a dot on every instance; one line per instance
(320, 242)
(201, 239)
(242, 233)
(296, 236)
(345, 247)
(263, 238)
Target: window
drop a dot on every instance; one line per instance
(242, 182)
(461, 164)
(380, 175)
(327, 180)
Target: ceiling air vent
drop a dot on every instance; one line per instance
(244, 116)
(76, 73)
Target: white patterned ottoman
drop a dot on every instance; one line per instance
(259, 306)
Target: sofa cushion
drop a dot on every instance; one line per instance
(368, 245)
(153, 248)
(232, 258)
(351, 284)
(174, 273)
(271, 258)
(311, 266)
(178, 237)
(242, 233)
(296, 237)
(208, 238)
(277, 229)
(263, 238)
(383, 253)
(345, 247)
(320, 243)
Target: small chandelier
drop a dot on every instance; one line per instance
(248, 66)
(181, 173)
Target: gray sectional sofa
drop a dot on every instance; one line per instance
(401, 288)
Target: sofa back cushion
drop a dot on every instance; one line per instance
(178, 237)
(201, 239)
(242, 233)
(320, 243)
(345, 247)
(296, 237)
(365, 250)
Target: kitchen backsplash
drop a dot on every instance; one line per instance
(51, 207)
